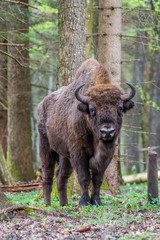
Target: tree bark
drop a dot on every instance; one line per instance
(4, 201)
(89, 27)
(20, 151)
(3, 90)
(134, 116)
(154, 115)
(5, 175)
(71, 39)
(71, 49)
(109, 54)
(152, 173)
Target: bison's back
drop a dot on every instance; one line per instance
(92, 73)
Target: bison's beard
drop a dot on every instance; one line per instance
(102, 156)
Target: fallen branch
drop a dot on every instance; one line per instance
(19, 188)
(82, 229)
(17, 207)
(137, 178)
(24, 207)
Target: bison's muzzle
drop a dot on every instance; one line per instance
(107, 134)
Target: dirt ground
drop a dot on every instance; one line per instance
(55, 225)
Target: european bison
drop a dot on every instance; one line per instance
(78, 126)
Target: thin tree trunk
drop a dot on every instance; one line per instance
(109, 54)
(20, 151)
(71, 39)
(3, 99)
(154, 117)
(152, 175)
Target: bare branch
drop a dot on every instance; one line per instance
(144, 37)
(12, 57)
(125, 8)
(18, 2)
(39, 86)
(12, 44)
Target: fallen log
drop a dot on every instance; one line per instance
(22, 187)
(137, 178)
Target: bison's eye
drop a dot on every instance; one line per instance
(92, 111)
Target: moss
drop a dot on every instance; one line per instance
(14, 169)
(54, 189)
(105, 186)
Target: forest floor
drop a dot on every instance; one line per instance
(126, 216)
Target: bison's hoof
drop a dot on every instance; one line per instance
(95, 200)
(85, 200)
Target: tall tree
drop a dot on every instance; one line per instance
(109, 54)
(5, 175)
(71, 39)
(71, 46)
(19, 96)
(134, 119)
(154, 116)
(3, 81)
(154, 140)
(89, 27)
(3, 98)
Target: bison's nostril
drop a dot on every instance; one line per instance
(107, 133)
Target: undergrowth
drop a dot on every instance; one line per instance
(129, 207)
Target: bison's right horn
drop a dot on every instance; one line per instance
(127, 97)
(80, 97)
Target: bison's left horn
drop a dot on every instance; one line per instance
(80, 97)
(127, 97)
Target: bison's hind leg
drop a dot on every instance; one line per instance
(63, 172)
(48, 158)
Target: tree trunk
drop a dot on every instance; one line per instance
(134, 116)
(71, 39)
(71, 49)
(4, 201)
(3, 97)
(109, 54)
(20, 151)
(152, 175)
(89, 27)
(5, 175)
(154, 117)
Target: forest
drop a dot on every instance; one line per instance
(42, 45)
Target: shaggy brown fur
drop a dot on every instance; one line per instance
(71, 132)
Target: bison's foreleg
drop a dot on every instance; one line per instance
(81, 165)
(48, 158)
(97, 179)
(63, 172)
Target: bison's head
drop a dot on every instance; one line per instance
(104, 106)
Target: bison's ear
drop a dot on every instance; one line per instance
(128, 105)
(83, 107)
